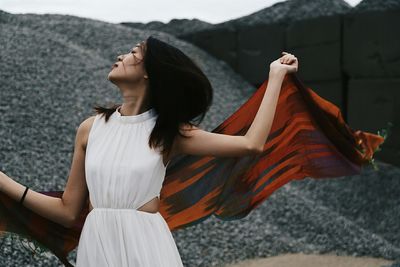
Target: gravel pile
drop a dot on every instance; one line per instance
(55, 69)
(376, 5)
(175, 27)
(289, 11)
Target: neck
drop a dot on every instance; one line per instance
(134, 100)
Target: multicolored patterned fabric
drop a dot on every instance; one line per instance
(308, 138)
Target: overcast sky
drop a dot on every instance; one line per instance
(213, 11)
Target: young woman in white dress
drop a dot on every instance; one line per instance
(163, 93)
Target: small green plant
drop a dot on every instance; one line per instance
(385, 133)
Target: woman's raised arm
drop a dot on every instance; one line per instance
(262, 123)
(60, 210)
(214, 144)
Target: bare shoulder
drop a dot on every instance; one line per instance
(186, 130)
(84, 129)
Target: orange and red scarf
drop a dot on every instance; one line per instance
(308, 138)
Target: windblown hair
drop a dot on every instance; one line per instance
(179, 92)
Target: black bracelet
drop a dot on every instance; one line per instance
(23, 196)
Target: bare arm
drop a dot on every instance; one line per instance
(60, 210)
(259, 130)
(262, 123)
(206, 143)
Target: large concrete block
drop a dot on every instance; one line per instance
(371, 44)
(257, 47)
(329, 90)
(372, 104)
(317, 44)
(319, 62)
(219, 42)
(316, 31)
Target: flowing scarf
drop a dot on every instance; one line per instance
(308, 138)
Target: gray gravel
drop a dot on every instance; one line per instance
(175, 27)
(376, 5)
(288, 11)
(54, 70)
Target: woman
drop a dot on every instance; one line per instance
(122, 153)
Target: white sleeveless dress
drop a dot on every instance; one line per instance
(122, 174)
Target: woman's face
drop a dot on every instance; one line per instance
(129, 68)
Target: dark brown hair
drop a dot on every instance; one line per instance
(179, 92)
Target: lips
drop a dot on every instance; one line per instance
(115, 65)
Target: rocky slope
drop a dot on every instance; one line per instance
(376, 5)
(289, 11)
(174, 26)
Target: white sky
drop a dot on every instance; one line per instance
(213, 11)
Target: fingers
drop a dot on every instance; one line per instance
(287, 58)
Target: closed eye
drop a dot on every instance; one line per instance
(136, 59)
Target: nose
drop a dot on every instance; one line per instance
(119, 58)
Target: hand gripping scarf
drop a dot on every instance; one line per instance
(308, 138)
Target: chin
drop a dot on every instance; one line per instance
(111, 77)
(113, 81)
